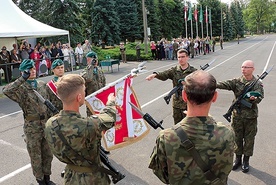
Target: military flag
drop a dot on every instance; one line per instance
(201, 20)
(130, 127)
(195, 13)
(190, 18)
(206, 15)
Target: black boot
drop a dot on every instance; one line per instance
(41, 182)
(237, 162)
(47, 180)
(245, 164)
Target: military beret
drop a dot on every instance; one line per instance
(57, 62)
(91, 54)
(26, 64)
(252, 93)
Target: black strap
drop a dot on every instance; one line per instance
(80, 157)
(190, 147)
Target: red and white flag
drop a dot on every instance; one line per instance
(130, 126)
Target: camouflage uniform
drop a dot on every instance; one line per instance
(245, 122)
(173, 164)
(53, 98)
(94, 80)
(176, 73)
(35, 116)
(84, 136)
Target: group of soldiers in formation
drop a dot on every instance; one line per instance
(76, 140)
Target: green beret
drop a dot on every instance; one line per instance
(252, 93)
(57, 62)
(26, 64)
(91, 54)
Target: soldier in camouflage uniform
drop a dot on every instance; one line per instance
(35, 116)
(58, 69)
(82, 134)
(245, 122)
(175, 74)
(93, 76)
(214, 142)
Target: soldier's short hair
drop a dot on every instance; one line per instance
(182, 51)
(200, 87)
(68, 85)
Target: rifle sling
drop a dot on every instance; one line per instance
(80, 157)
(190, 147)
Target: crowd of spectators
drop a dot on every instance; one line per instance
(43, 56)
(167, 50)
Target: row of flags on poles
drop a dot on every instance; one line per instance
(188, 13)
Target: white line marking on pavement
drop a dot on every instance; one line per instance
(11, 114)
(10, 175)
(267, 62)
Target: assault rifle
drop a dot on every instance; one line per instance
(179, 86)
(115, 174)
(147, 117)
(240, 99)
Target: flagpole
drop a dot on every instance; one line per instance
(210, 23)
(185, 9)
(201, 21)
(192, 35)
(206, 17)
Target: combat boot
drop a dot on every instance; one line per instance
(237, 162)
(245, 164)
(41, 182)
(47, 180)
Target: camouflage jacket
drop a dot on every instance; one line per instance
(83, 135)
(53, 98)
(172, 164)
(237, 85)
(176, 73)
(94, 79)
(21, 92)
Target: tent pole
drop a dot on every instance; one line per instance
(70, 53)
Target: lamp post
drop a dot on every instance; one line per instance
(145, 24)
(221, 20)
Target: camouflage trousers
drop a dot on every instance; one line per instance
(78, 178)
(178, 115)
(38, 149)
(245, 132)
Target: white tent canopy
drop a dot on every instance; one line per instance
(15, 24)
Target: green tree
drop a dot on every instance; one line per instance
(128, 19)
(227, 26)
(237, 18)
(105, 23)
(257, 14)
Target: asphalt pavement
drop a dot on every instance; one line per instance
(133, 160)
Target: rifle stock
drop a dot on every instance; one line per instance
(173, 91)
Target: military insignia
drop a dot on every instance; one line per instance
(138, 126)
(118, 126)
(109, 136)
(97, 105)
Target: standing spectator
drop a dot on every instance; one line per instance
(79, 53)
(172, 162)
(213, 44)
(123, 52)
(153, 50)
(221, 42)
(192, 49)
(83, 134)
(138, 52)
(5, 59)
(244, 120)
(170, 50)
(158, 51)
(207, 43)
(166, 49)
(23, 51)
(86, 47)
(35, 115)
(35, 56)
(176, 73)
(175, 49)
(15, 59)
(54, 52)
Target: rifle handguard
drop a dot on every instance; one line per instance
(227, 117)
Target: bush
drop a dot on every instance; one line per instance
(114, 53)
